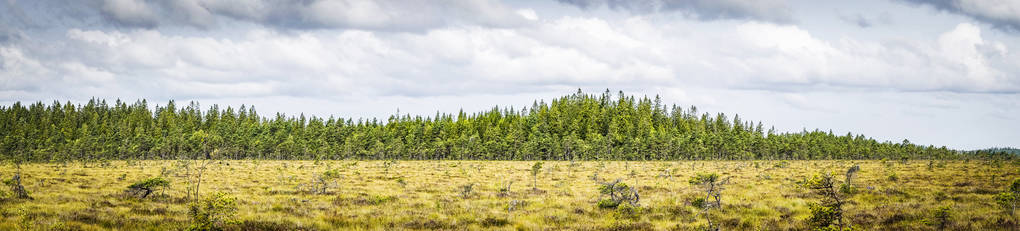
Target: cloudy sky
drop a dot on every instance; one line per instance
(942, 72)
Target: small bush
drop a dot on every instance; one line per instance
(1010, 198)
(15, 185)
(607, 203)
(143, 188)
(324, 181)
(940, 217)
(893, 177)
(402, 182)
(823, 217)
(467, 190)
(828, 214)
(618, 193)
(782, 164)
(504, 190)
(534, 175)
(494, 222)
(628, 211)
(213, 213)
(698, 202)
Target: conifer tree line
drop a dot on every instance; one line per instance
(573, 127)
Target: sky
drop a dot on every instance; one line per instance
(939, 72)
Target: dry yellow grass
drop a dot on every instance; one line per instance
(370, 196)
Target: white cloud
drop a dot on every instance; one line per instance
(481, 53)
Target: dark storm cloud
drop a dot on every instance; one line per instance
(1003, 15)
(766, 10)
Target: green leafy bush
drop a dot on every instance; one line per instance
(213, 213)
(15, 185)
(823, 216)
(1010, 198)
(618, 193)
(698, 202)
(145, 187)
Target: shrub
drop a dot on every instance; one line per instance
(698, 202)
(618, 193)
(16, 188)
(213, 213)
(940, 217)
(504, 191)
(829, 212)
(607, 203)
(712, 186)
(628, 211)
(1010, 198)
(324, 181)
(143, 188)
(402, 182)
(467, 190)
(782, 164)
(534, 174)
(824, 216)
(893, 177)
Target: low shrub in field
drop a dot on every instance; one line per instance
(143, 188)
(827, 215)
(940, 217)
(213, 213)
(628, 211)
(467, 190)
(1010, 198)
(534, 175)
(324, 181)
(504, 190)
(15, 185)
(698, 202)
(712, 185)
(893, 177)
(824, 217)
(618, 193)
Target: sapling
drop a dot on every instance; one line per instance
(15, 185)
(712, 186)
(15, 182)
(535, 169)
(713, 189)
(830, 212)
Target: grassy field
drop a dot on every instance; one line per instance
(459, 195)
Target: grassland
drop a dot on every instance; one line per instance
(388, 195)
